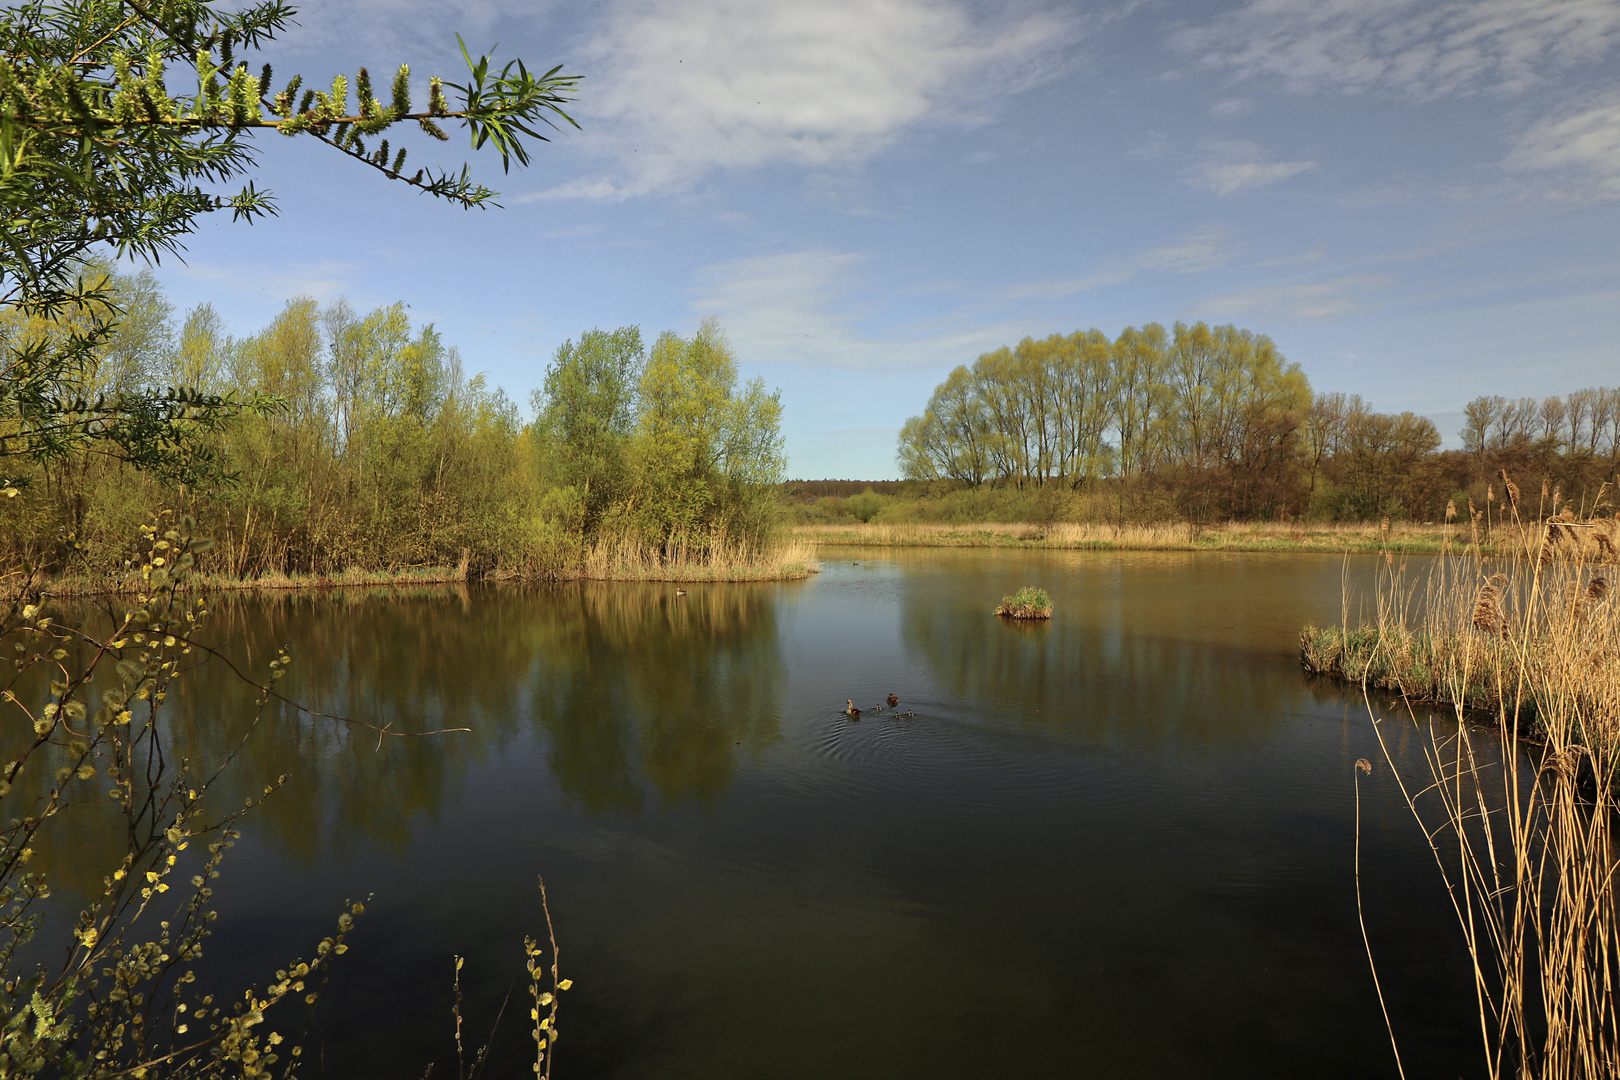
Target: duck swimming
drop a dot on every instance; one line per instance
(850, 710)
(893, 701)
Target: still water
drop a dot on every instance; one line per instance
(1118, 844)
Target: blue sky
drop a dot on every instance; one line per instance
(1418, 201)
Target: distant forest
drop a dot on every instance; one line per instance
(1212, 422)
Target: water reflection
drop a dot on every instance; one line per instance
(640, 693)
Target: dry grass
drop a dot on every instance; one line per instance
(628, 559)
(617, 560)
(1519, 810)
(1166, 536)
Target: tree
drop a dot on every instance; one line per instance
(96, 154)
(587, 412)
(705, 456)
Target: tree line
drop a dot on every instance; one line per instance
(1213, 422)
(369, 446)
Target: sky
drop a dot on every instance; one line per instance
(1417, 201)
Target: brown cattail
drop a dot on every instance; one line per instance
(1512, 490)
(1488, 609)
(1604, 534)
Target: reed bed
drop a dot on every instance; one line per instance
(719, 559)
(1163, 536)
(625, 559)
(1519, 803)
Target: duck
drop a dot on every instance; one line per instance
(893, 701)
(680, 592)
(850, 710)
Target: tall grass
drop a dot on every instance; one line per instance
(1519, 802)
(718, 558)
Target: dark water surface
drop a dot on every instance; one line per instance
(1117, 844)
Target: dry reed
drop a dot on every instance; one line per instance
(1520, 810)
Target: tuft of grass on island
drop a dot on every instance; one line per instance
(1029, 602)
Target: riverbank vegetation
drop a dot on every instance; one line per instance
(376, 457)
(1167, 536)
(1520, 799)
(1209, 424)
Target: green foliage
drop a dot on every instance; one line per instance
(383, 455)
(864, 506)
(97, 154)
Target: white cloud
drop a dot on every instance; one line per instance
(1236, 165)
(1417, 46)
(1312, 302)
(1207, 248)
(680, 88)
(1583, 146)
(1227, 108)
(801, 308)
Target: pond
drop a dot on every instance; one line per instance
(1118, 843)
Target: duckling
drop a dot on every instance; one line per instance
(850, 710)
(893, 701)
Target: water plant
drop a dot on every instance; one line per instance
(1029, 602)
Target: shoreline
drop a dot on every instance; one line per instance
(684, 573)
(1067, 536)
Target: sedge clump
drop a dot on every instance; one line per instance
(1027, 603)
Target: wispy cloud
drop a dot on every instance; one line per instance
(813, 308)
(683, 88)
(325, 280)
(1415, 46)
(1583, 147)
(1311, 302)
(1207, 248)
(1233, 166)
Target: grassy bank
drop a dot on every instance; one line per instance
(1529, 638)
(628, 560)
(1172, 536)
